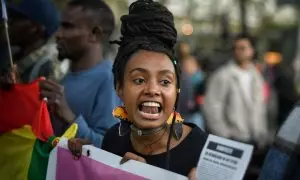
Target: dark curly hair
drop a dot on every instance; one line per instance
(148, 26)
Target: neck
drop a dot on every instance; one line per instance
(157, 141)
(88, 60)
(244, 64)
(25, 50)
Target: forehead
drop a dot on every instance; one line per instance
(151, 61)
(74, 15)
(243, 42)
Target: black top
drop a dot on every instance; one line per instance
(183, 157)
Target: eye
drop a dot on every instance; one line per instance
(138, 81)
(165, 82)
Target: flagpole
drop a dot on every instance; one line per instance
(8, 44)
(5, 18)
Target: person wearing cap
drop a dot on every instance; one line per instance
(31, 24)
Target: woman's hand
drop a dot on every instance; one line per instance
(75, 146)
(130, 156)
(192, 174)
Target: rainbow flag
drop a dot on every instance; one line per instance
(26, 135)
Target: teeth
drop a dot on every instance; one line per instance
(151, 104)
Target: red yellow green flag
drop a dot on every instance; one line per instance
(26, 134)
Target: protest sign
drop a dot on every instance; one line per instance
(98, 164)
(223, 159)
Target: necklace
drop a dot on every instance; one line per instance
(148, 147)
(146, 132)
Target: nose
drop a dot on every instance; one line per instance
(152, 89)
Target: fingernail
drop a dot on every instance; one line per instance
(124, 160)
(76, 157)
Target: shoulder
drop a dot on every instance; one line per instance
(257, 74)
(104, 71)
(194, 141)
(110, 136)
(191, 147)
(221, 75)
(103, 77)
(115, 143)
(105, 67)
(196, 136)
(113, 132)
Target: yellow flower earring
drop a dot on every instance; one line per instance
(124, 126)
(120, 113)
(177, 129)
(178, 118)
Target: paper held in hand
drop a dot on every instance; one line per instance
(223, 159)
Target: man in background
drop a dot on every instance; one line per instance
(234, 104)
(86, 95)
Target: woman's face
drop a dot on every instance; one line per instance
(149, 89)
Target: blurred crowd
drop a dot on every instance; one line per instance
(240, 98)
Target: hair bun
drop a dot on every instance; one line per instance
(149, 19)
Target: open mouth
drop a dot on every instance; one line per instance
(150, 109)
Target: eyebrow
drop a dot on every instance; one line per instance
(137, 69)
(164, 71)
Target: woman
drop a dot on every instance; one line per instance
(146, 77)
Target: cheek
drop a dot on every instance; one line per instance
(170, 98)
(129, 95)
(73, 39)
(71, 35)
(76, 44)
(250, 52)
(129, 99)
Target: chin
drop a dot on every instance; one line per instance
(148, 124)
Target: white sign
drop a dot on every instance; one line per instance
(223, 159)
(99, 164)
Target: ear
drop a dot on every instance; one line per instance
(120, 92)
(96, 34)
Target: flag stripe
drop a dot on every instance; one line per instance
(39, 160)
(22, 106)
(16, 151)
